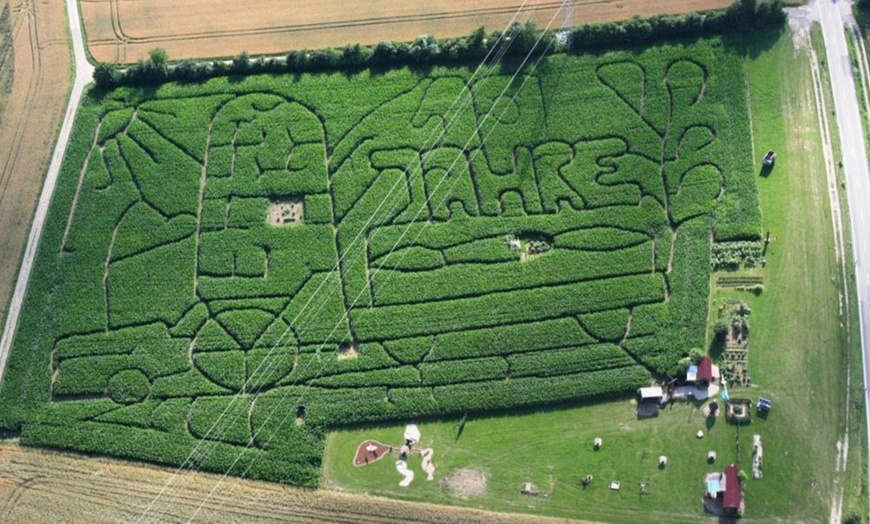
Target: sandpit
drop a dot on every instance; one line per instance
(465, 483)
(427, 466)
(402, 468)
(286, 213)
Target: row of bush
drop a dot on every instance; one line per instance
(733, 255)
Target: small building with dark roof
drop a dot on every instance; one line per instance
(650, 399)
(724, 494)
(705, 370)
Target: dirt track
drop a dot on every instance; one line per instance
(125, 30)
(42, 486)
(32, 112)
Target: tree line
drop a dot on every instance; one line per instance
(743, 16)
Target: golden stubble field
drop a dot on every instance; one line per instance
(44, 486)
(39, 58)
(125, 30)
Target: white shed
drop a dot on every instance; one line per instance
(651, 393)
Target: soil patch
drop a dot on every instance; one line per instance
(465, 483)
(370, 451)
(286, 213)
(346, 350)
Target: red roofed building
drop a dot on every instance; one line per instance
(705, 370)
(731, 499)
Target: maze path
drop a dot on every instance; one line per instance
(557, 250)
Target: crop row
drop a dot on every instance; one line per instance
(161, 289)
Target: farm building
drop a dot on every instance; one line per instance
(702, 382)
(702, 373)
(724, 494)
(733, 494)
(650, 399)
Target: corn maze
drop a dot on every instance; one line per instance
(234, 267)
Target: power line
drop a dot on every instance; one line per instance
(370, 278)
(501, 51)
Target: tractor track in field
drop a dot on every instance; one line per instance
(26, 20)
(122, 31)
(122, 37)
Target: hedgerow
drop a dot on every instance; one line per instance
(560, 252)
(741, 16)
(732, 255)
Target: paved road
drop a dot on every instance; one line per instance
(83, 73)
(854, 161)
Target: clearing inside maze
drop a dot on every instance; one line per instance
(477, 243)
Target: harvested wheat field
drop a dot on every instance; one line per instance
(124, 30)
(38, 486)
(34, 80)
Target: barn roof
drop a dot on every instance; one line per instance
(705, 369)
(732, 488)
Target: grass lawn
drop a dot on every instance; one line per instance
(799, 350)
(554, 449)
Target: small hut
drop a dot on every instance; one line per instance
(650, 399)
(705, 371)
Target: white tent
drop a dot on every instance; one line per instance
(412, 433)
